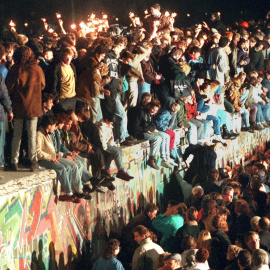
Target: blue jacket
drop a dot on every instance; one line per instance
(5, 102)
(162, 119)
(112, 264)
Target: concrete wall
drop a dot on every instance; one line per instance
(36, 229)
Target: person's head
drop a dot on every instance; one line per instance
(145, 99)
(47, 102)
(224, 42)
(109, 118)
(24, 56)
(83, 114)
(252, 240)
(197, 192)
(173, 261)
(68, 123)
(48, 123)
(161, 258)
(204, 239)
(192, 214)
(255, 182)
(259, 257)
(48, 55)
(254, 222)
(151, 210)
(202, 255)
(259, 46)
(2, 53)
(215, 16)
(66, 55)
(175, 107)
(188, 242)
(112, 248)
(127, 57)
(264, 224)
(218, 223)
(244, 259)
(176, 53)
(195, 52)
(241, 207)
(140, 233)
(153, 106)
(223, 211)
(208, 207)
(172, 207)
(100, 52)
(227, 194)
(233, 252)
(61, 117)
(155, 10)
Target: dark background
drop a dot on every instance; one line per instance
(30, 11)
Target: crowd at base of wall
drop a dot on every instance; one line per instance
(36, 228)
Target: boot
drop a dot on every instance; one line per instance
(254, 126)
(152, 163)
(226, 135)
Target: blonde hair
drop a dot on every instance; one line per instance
(204, 240)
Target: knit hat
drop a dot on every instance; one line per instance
(223, 42)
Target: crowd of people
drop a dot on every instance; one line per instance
(82, 95)
(223, 224)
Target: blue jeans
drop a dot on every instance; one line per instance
(200, 128)
(245, 117)
(192, 134)
(82, 165)
(216, 122)
(225, 118)
(155, 142)
(96, 113)
(31, 126)
(201, 107)
(165, 144)
(62, 172)
(121, 118)
(117, 154)
(2, 142)
(207, 128)
(261, 112)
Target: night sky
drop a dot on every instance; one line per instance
(25, 11)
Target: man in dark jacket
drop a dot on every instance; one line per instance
(256, 58)
(5, 107)
(264, 234)
(61, 80)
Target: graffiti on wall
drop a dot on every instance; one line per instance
(36, 230)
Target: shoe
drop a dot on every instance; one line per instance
(265, 125)
(66, 198)
(244, 129)
(253, 125)
(108, 184)
(166, 164)
(250, 130)
(106, 175)
(35, 167)
(14, 167)
(86, 189)
(152, 163)
(233, 135)
(260, 126)
(226, 135)
(172, 162)
(83, 195)
(123, 175)
(131, 138)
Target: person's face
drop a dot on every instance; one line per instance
(253, 242)
(127, 60)
(213, 18)
(68, 125)
(171, 264)
(228, 197)
(154, 11)
(48, 105)
(230, 255)
(67, 59)
(259, 48)
(49, 56)
(197, 55)
(116, 252)
(153, 110)
(101, 56)
(153, 214)
(60, 126)
(200, 81)
(138, 238)
(172, 210)
(51, 128)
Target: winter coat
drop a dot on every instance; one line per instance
(25, 86)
